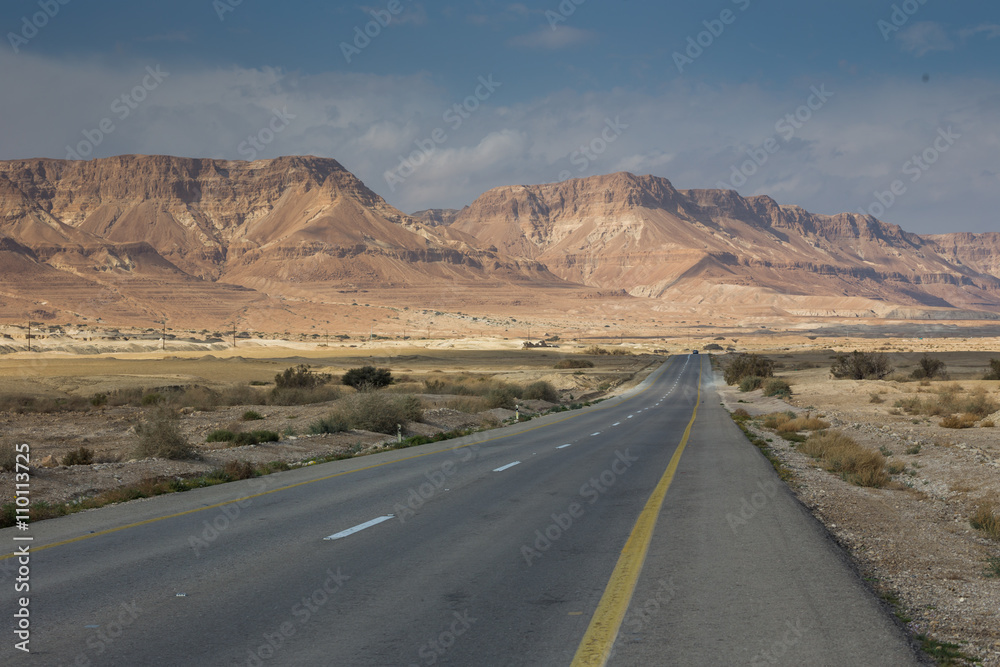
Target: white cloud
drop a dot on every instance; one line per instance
(991, 30)
(851, 148)
(547, 39)
(923, 37)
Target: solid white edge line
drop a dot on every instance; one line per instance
(509, 465)
(359, 527)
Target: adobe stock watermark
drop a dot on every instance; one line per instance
(363, 35)
(640, 616)
(416, 497)
(30, 25)
(122, 107)
(900, 16)
(588, 153)
(224, 519)
(434, 648)
(918, 165)
(300, 612)
(103, 636)
(750, 507)
(774, 653)
(714, 28)
(591, 491)
(454, 116)
(785, 128)
(562, 13)
(254, 143)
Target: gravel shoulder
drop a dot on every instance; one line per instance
(913, 541)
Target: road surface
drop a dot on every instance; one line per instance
(644, 530)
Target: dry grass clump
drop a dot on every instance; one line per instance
(8, 457)
(958, 421)
(79, 457)
(468, 404)
(841, 454)
(775, 419)
(802, 424)
(574, 363)
(987, 521)
(376, 411)
(950, 400)
(160, 437)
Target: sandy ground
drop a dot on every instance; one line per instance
(914, 540)
(110, 432)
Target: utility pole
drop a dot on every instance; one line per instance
(29, 335)
(234, 333)
(163, 339)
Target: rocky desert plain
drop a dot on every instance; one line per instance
(137, 284)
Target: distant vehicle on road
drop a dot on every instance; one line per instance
(694, 351)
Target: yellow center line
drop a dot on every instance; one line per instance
(322, 479)
(595, 648)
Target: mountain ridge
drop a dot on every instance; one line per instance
(306, 228)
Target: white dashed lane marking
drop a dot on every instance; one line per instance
(359, 527)
(509, 465)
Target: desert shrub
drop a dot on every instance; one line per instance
(620, 352)
(255, 437)
(378, 412)
(152, 398)
(252, 415)
(333, 423)
(220, 435)
(739, 414)
(236, 394)
(840, 454)
(299, 377)
(468, 404)
(79, 457)
(367, 378)
(994, 372)
(776, 419)
(234, 470)
(929, 367)
(861, 366)
(979, 403)
(875, 398)
(574, 363)
(8, 457)
(501, 397)
(541, 391)
(595, 351)
(712, 346)
(98, 400)
(746, 365)
(985, 519)
(302, 395)
(776, 387)
(958, 421)
(751, 382)
(160, 437)
(802, 424)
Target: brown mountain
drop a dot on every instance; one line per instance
(215, 228)
(282, 241)
(640, 234)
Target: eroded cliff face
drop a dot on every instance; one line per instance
(640, 234)
(217, 220)
(154, 233)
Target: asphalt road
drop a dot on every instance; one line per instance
(500, 549)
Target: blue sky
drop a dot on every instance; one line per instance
(887, 107)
